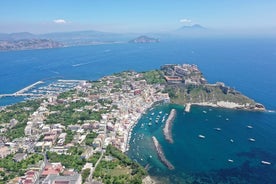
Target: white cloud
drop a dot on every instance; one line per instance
(187, 21)
(59, 21)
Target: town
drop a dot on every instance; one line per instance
(83, 122)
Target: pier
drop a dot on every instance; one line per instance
(22, 91)
(167, 130)
(188, 107)
(161, 154)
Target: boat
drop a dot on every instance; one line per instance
(252, 139)
(218, 129)
(265, 162)
(150, 123)
(231, 140)
(204, 112)
(160, 112)
(201, 136)
(152, 113)
(230, 160)
(248, 126)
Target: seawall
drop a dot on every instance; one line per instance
(167, 130)
(161, 154)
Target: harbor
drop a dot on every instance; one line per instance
(42, 88)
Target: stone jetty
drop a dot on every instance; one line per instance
(167, 130)
(161, 154)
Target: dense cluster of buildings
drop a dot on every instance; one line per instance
(122, 98)
(185, 74)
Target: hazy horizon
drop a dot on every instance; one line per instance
(247, 17)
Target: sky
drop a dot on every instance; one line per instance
(35, 16)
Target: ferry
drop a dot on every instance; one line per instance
(251, 139)
(201, 136)
(218, 129)
(248, 126)
(230, 160)
(265, 162)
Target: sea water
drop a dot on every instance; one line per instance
(225, 155)
(248, 65)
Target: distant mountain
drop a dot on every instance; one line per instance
(28, 44)
(193, 27)
(17, 36)
(144, 39)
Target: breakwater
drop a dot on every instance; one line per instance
(161, 154)
(167, 130)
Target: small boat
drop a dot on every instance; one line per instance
(248, 126)
(231, 140)
(252, 139)
(150, 156)
(160, 112)
(265, 162)
(218, 129)
(230, 160)
(204, 112)
(150, 123)
(152, 113)
(227, 119)
(201, 136)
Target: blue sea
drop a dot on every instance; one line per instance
(248, 65)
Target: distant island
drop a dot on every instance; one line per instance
(28, 44)
(144, 39)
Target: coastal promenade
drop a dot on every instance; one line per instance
(161, 154)
(167, 130)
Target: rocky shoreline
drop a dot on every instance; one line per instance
(167, 130)
(161, 154)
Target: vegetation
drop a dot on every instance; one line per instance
(93, 159)
(85, 173)
(120, 170)
(67, 94)
(154, 77)
(69, 136)
(20, 112)
(201, 93)
(72, 113)
(13, 169)
(74, 160)
(90, 138)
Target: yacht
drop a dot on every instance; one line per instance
(265, 162)
(251, 139)
(201, 136)
(218, 129)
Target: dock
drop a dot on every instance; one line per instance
(188, 107)
(161, 154)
